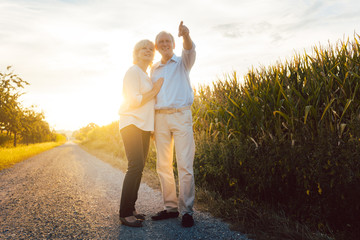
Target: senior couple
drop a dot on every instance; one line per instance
(159, 103)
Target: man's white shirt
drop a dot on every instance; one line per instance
(176, 91)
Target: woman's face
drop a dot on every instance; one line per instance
(146, 53)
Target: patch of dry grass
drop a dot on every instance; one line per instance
(13, 155)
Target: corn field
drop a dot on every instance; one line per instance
(287, 135)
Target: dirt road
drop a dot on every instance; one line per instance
(66, 193)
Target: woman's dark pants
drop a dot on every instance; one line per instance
(136, 143)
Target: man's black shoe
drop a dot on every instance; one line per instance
(165, 215)
(187, 220)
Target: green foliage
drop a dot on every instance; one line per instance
(287, 136)
(19, 124)
(10, 109)
(5, 140)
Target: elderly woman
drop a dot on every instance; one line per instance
(136, 124)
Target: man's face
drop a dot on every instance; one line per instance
(165, 45)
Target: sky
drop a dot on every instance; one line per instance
(74, 53)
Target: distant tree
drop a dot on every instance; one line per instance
(10, 109)
(14, 124)
(16, 120)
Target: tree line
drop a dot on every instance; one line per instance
(17, 123)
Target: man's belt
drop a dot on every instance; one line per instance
(172, 110)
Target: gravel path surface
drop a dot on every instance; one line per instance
(66, 193)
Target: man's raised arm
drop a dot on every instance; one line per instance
(185, 33)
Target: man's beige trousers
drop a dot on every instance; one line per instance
(176, 128)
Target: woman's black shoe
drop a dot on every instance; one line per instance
(136, 223)
(140, 217)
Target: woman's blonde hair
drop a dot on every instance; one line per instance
(139, 46)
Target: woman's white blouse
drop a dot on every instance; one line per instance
(136, 82)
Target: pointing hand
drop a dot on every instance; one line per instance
(183, 30)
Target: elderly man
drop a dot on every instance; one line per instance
(173, 125)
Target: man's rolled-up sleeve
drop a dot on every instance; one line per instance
(188, 57)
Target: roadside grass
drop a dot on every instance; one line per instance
(257, 220)
(11, 156)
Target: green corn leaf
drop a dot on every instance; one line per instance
(237, 105)
(355, 90)
(282, 114)
(346, 107)
(231, 113)
(307, 110)
(354, 74)
(327, 107)
(342, 128)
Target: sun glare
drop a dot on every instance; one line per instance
(96, 103)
